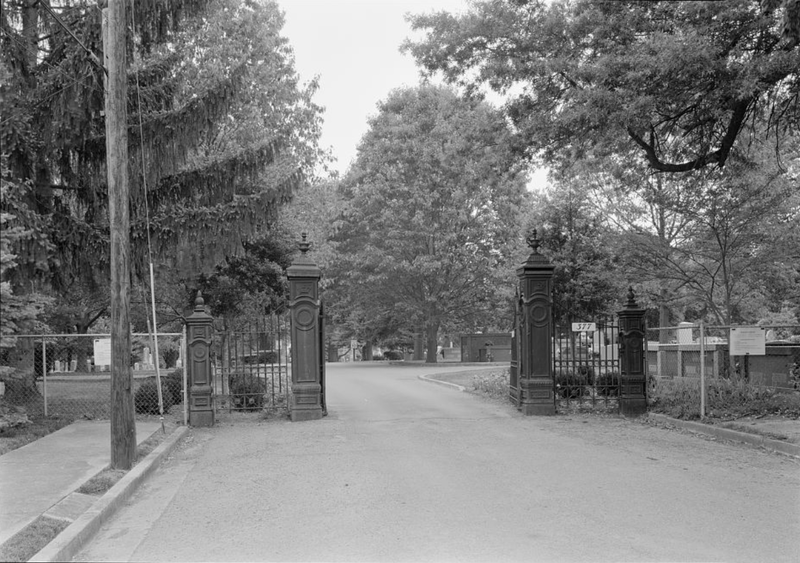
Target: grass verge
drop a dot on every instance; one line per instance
(726, 400)
(34, 537)
(108, 477)
(30, 540)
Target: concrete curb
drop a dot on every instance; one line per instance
(727, 434)
(75, 536)
(429, 379)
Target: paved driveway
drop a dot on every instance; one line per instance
(403, 470)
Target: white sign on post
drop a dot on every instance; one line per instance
(102, 351)
(748, 340)
(584, 327)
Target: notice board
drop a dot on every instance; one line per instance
(750, 340)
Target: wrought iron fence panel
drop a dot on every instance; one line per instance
(251, 367)
(586, 365)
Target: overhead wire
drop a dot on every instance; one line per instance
(154, 333)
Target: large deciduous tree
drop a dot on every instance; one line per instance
(432, 216)
(678, 83)
(719, 244)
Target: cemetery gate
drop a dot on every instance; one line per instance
(592, 364)
(251, 366)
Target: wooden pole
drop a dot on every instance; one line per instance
(123, 424)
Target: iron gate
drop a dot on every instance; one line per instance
(251, 367)
(586, 369)
(586, 366)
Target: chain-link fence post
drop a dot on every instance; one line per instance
(702, 370)
(44, 374)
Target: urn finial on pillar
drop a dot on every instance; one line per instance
(304, 245)
(533, 241)
(199, 302)
(631, 302)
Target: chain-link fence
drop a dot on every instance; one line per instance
(701, 361)
(68, 375)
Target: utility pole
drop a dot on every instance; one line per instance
(123, 423)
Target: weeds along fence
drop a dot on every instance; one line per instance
(68, 375)
(708, 363)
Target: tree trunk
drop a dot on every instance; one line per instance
(20, 379)
(30, 24)
(432, 341)
(83, 345)
(663, 318)
(366, 352)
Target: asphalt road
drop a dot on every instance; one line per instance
(404, 470)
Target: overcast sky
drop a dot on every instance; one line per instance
(354, 48)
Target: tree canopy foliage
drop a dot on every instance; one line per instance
(587, 280)
(220, 130)
(431, 216)
(250, 285)
(679, 83)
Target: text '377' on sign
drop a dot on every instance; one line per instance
(584, 327)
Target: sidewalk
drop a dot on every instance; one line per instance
(36, 478)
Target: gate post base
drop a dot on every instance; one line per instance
(535, 409)
(537, 398)
(632, 400)
(201, 419)
(632, 408)
(300, 415)
(306, 402)
(201, 406)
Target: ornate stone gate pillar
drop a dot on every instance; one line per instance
(307, 389)
(633, 378)
(535, 364)
(198, 365)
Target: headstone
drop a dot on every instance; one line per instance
(685, 333)
(57, 365)
(137, 366)
(73, 365)
(146, 357)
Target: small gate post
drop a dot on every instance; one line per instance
(535, 364)
(198, 365)
(633, 379)
(307, 390)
